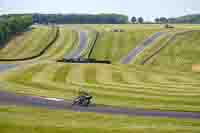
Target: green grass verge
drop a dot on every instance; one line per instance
(118, 85)
(151, 49)
(33, 120)
(182, 53)
(33, 43)
(65, 43)
(114, 46)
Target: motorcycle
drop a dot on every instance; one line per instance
(82, 100)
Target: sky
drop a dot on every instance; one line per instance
(149, 9)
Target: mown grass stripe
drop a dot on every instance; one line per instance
(62, 73)
(90, 74)
(18, 49)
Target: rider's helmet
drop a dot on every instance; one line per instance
(83, 92)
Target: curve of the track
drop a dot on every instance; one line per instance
(173, 38)
(82, 45)
(131, 56)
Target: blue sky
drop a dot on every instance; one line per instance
(146, 8)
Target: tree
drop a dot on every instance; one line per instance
(157, 20)
(133, 19)
(163, 20)
(172, 20)
(140, 20)
(12, 24)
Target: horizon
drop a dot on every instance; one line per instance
(153, 9)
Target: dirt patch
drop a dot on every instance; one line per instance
(196, 67)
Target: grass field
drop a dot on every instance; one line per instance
(65, 43)
(114, 46)
(176, 49)
(30, 44)
(22, 120)
(119, 85)
(90, 40)
(181, 53)
(155, 46)
(152, 86)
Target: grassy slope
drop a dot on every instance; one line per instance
(183, 53)
(114, 46)
(126, 27)
(63, 45)
(90, 32)
(156, 45)
(91, 36)
(18, 42)
(29, 45)
(118, 85)
(130, 86)
(33, 120)
(30, 42)
(162, 41)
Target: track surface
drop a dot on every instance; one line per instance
(173, 38)
(13, 99)
(131, 56)
(82, 45)
(5, 67)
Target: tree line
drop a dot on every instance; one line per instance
(137, 20)
(80, 18)
(107, 19)
(10, 25)
(188, 19)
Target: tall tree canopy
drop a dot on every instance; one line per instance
(140, 20)
(133, 19)
(10, 25)
(80, 18)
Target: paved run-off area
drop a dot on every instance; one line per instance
(5, 67)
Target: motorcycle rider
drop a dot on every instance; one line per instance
(83, 95)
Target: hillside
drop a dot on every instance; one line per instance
(181, 53)
(165, 87)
